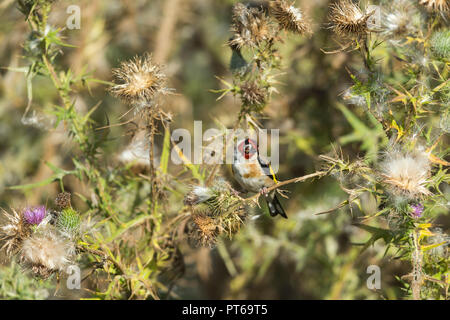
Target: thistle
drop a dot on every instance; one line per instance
(46, 252)
(440, 44)
(417, 210)
(69, 221)
(250, 27)
(406, 174)
(35, 215)
(215, 210)
(252, 94)
(289, 17)
(14, 232)
(442, 6)
(347, 19)
(204, 230)
(139, 81)
(399, 19)
(198, 195)
(62, 200)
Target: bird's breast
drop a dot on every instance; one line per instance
(251, 176)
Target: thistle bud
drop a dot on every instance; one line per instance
(62, 200)
(69, 221)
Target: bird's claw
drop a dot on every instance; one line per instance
(264, 191)
(235, 192)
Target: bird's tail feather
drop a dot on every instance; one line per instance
(275, 207)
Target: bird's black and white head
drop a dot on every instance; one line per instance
(247, 149)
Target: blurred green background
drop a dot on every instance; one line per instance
(307, 256)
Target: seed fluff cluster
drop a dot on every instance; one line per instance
(406, 173)
(399, 18)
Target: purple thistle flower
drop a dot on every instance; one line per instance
(417, 210)
(35, 215)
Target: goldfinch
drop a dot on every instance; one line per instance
(255, 175)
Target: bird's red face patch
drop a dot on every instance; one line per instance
(248, 148)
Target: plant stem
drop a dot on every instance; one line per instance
(151, 124)
(417, 274)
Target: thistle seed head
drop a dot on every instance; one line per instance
(14, 232)
(442, 6)
(204, 230)
(198, 194)
(406, 174)
(252, 94)
(399, 19)
(289, 17)
(46, 252)
(139, 80)
(250, 27)
(347, 19)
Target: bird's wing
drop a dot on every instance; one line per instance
(267, 168)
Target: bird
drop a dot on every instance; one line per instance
(256, 175)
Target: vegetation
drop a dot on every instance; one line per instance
(359, 91)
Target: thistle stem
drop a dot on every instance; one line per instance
(417, 274)
(151, 124)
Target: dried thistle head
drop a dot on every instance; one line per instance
(139, 80)
(62, 200)
(289, 17)
(232, 222)
(47, 251)
(250, 27)
(406, 173)
(14, 232)
(204, 230)
(252, 94)
(216, 210)
(442, 6)
(222, 201)
(348, 20)
(41, 271)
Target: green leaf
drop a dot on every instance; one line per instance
(58, 176)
